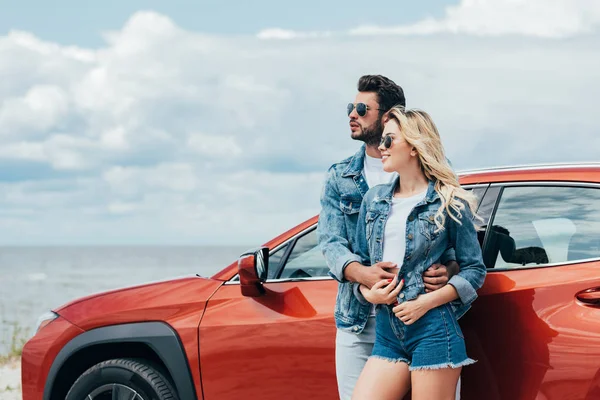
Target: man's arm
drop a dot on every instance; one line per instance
(331, 230)
(343, 264)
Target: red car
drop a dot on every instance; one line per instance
(263, 327)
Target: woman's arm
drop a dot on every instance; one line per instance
(463, 237)
(464, 285)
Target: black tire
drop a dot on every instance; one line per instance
(124, 375)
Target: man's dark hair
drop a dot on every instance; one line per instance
(388, 92)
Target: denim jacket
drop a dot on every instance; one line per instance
(341, 199)
(424, 246)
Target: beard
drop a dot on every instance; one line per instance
(371, 135)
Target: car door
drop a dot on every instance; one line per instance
(279, 345)
(535, 328)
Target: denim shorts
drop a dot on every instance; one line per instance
(434, 341)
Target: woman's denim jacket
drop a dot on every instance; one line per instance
(341, 198)
(424, 246)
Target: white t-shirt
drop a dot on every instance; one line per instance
(394, 235)
(374, 173)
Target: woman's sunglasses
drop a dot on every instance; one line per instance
(361, 108)
(386, 141)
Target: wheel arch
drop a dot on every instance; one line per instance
(156, 342)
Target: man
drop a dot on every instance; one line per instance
(346, 184)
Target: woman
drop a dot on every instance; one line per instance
(411, 222)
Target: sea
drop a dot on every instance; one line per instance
(34, 280)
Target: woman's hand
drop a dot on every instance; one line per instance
(410, 311)
(383, 292)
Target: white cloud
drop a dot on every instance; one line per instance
(538, 18)
(28, 41)
(40, 109)
(169, 135)
(286, 34)
(213, 145)
(30, 151)
(176, 177)
(542, 18)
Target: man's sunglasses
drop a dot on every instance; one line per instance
(361, 108)
(386, 141)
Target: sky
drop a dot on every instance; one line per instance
(214, 122)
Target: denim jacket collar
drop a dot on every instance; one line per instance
(387, 195)
(356, 164)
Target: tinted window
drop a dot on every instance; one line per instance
(544, 225)
(478, 192)
(275, 261)
(486, 206)
(306, 259)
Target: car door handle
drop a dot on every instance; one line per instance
(590, 296)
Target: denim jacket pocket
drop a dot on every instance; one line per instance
(428, 227)
(350, 205)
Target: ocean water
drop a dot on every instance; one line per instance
(34, 280)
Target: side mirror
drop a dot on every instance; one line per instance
(253, 269)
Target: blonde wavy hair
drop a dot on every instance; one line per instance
(419, 131)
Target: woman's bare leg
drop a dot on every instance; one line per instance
(435, 384)
(382, 380)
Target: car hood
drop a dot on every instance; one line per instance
(157, 301)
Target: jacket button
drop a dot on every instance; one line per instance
(431, 217)
(401, 295)
(411, 218)
(355, 329)
(410, 236)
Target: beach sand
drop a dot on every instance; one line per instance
(10, 380)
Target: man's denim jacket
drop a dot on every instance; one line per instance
(341, 199)
(425, 244)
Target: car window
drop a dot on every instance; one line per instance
(541, 225)
(305, 259)
(275, 261)
(478, 192)
(487, 202)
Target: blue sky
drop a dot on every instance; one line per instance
(147, 123)
(81, 23)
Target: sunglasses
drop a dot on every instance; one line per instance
(386, 141)
(361, 108)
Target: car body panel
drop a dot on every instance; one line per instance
(277, 346)
(532, 336)
(180, 303)
(39, 354)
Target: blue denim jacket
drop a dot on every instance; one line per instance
(424, 246)
(341, 199)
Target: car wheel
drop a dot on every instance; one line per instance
(121, 379)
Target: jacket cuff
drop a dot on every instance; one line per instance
(337, 272)
(358, 294)
(466, 292)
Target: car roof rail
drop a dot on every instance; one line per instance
(579, 164)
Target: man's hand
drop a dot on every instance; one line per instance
(383, 292)
(435, 277)
(369, 276)
(438, 275)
